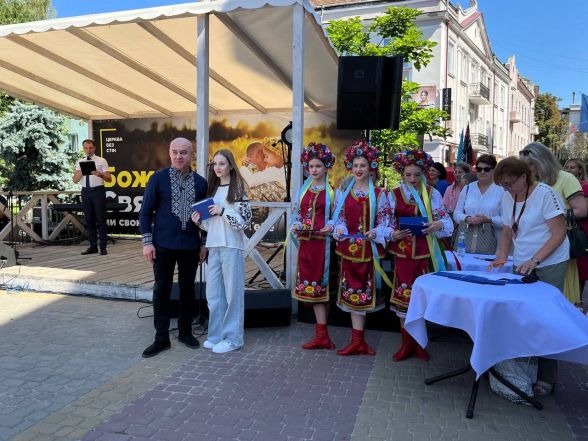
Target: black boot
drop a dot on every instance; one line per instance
(189, 340)
(157, 347)
(90, 250)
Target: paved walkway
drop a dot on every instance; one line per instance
(71, 369)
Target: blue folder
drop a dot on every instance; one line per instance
(414, 224)
(202, 208)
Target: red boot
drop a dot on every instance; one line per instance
(357, 345)
(407, 348)
(421, 353)
(321, 339)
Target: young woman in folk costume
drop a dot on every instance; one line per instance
(312, 213)
(414, 255)
(361, 217)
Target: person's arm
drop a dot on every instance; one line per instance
(103, 172)
(442, 224)
(77, 176)
(578, 204)
(496, 219)
(557, 230)
(504, 246)
(459, 212)
(339, 226)
(239, 217)
(146, 216)
(383, 229)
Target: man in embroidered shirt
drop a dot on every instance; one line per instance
(94, 197)
(170, 238)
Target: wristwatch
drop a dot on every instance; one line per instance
(535, 260)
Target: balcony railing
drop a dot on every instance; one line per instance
(479, 142)
(479, 94)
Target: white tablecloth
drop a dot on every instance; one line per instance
(503, 322)
(476, 262)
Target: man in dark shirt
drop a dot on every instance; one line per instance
(170, 238)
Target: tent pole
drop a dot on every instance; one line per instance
(202, 101)
(297, 118)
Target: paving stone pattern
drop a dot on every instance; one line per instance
(71, 369)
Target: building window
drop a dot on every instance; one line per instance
(450, 59)
(464, 68)
(72, 141)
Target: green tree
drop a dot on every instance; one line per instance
(20, 11)
(34, 149)
(552, 127)
(392, 34)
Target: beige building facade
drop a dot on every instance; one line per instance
(464, 76)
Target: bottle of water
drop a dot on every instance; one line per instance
(461, 245)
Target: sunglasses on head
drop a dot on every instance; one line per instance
(483, 169)
(525, 152)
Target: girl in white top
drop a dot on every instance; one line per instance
(225, 272)
(479, 202)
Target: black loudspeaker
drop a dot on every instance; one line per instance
(263, 308)
(369, 92)
(267, 307)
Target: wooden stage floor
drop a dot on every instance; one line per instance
(123, 273)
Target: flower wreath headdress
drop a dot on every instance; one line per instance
(412, 157)
(317, 151)
(363, 149)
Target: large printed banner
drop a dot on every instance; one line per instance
(136, 148)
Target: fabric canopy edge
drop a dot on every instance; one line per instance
(161, 12)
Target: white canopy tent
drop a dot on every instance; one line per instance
(223, 56)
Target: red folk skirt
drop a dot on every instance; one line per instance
(309, 285)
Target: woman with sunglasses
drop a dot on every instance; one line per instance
(547, 169)
(478, 210)
(535, 228)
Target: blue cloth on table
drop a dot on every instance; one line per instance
(477, 279)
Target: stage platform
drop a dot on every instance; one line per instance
(122, 274)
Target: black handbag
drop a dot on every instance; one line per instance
(576, 236)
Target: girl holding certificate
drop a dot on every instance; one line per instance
(312, 213)
(230, 215)
(361, 227)
(414, 254)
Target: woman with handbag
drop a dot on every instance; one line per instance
(547, 169)
(478, 211)
(576, 167)
(414, 254)
(535, 228)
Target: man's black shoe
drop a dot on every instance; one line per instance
(90, 251)
(103, 252)
(157, 347)
(189, 340)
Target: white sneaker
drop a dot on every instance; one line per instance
(208, 344)
(224, 346)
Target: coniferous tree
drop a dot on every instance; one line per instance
(34, 150)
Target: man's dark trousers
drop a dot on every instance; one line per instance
(94, 203)
(163, 269)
